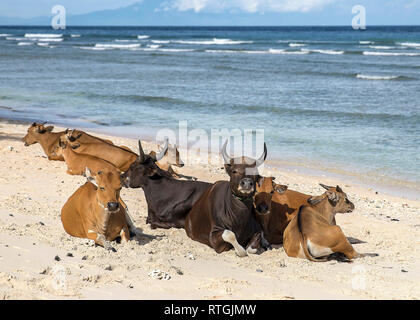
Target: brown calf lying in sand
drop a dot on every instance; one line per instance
(95, 210)
(38, 133)
(83, 137)
(120, 157)
(313, 234)
(275, 206)
(77, 163)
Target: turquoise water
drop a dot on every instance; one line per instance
(328, 97)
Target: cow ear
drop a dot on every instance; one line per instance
(66, 131)
(280, 188)
(89, 177)
(49, 128)
(332, 197)
(338, 189)
(314, 200)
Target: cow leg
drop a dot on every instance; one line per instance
(100, 240)
(229, 237)
(343, 245)
(125, 234)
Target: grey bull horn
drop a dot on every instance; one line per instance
(142, 157)
(258, 162)
(162, 153)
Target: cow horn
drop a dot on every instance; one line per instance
(225, 156)
(325, 186)
(142, 157)
(162, 153)
(261, 160)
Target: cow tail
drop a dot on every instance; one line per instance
(303, 240)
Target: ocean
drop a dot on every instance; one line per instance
(332, 99)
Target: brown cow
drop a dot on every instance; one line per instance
(275, 206)
(120, 157)
(83, 137)
(38, 133)
(222, 218)
(95, 212)
(312, 234)
(77, 163)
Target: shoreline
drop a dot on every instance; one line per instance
(33, 191)
(389, 186)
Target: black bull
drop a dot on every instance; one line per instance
(168, 200)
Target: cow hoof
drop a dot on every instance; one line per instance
(251, 251)
(241, 253)
(112, 249)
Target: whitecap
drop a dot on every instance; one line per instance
(161, 41)
(154, 46)
(143, 37)
(25, 43)
(382, 47)
(215, 41)
(75, 35)
(372, 77)
(49, 39)
(296, 45)
(378, 53)
(17, 39)
(5, 35)
(117, 46)
(410, 44)
(92, 48)
(323, 51)
(366, 42)
(42, 35)
(282, 51)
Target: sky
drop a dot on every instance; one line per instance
(391, 12)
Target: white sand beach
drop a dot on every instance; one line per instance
(38, 260)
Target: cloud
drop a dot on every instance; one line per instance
(251, 6)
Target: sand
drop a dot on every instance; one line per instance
(38, 260)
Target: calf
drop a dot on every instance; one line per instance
(168, 200)
(95, 210)
(38, 133)
(312, 233)
(222, 218)
(275, 206)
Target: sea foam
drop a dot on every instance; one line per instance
(378, 53)
(42, 35)
(372, 77)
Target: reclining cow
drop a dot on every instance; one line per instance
(83, 137)
(38, 133)
(275, 206)
(120, 157)
(169, 200)
(95, 210)
(313, 234)
(222, 218)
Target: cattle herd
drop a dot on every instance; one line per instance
(248, 213)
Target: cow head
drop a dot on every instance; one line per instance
(336, 198)
(243, 172)
(108, 186)
(35, 133)
(144, 168)
(170, 158)
(265, 189)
